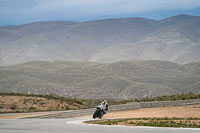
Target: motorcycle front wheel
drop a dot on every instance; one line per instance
(95, 115)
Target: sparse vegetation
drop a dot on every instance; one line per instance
(67, 107)
(13, 106)
(119, 80)
(63, 103)
(49, 102)
(157, 122)
(48, 96)
(32, 109)
(171, 97)
(18, 102)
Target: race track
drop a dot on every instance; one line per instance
(76, 126)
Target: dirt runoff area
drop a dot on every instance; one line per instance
(160, 112)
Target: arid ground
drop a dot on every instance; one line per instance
(182, 112)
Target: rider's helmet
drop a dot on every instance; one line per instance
(104, 102)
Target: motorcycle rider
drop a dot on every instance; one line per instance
(104, 106)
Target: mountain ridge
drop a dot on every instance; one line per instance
(173, 39)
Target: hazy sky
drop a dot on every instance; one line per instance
(23, 11)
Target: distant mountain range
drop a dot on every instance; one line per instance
(119, 80)
(175, 39)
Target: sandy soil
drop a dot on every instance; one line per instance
(24, 103)
(182, 112)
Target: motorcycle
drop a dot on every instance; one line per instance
(98, 113)
(100, 110)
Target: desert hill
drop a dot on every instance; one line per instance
(119, 80)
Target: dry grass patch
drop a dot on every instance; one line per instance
(9, 104)
(156, 122)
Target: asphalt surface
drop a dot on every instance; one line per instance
(76, 126)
